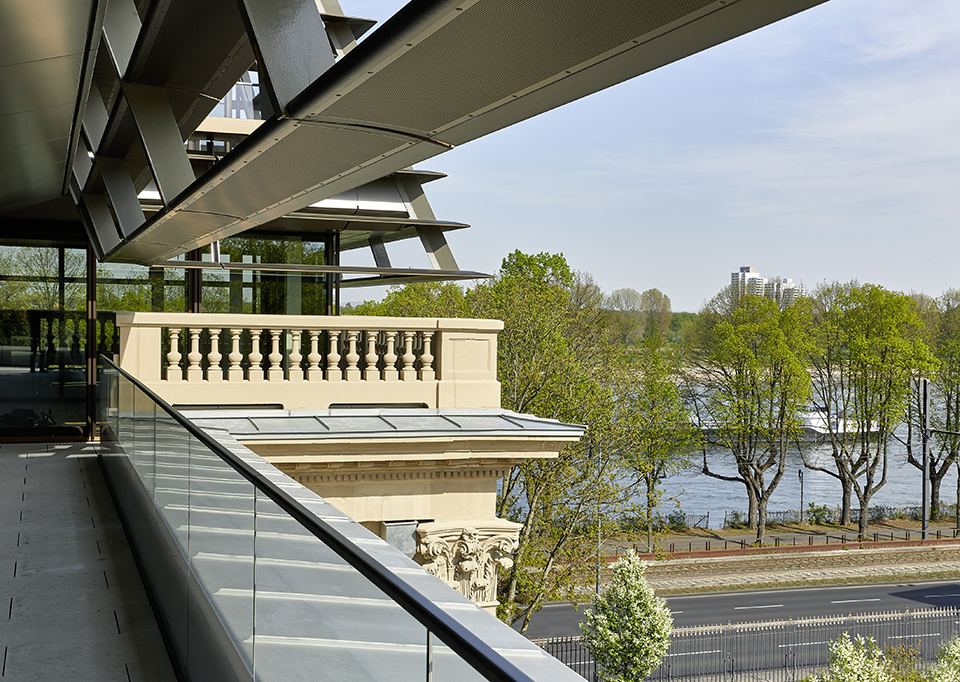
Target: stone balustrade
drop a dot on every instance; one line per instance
(312, 362)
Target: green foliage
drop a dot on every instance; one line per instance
(819, 514)
(750, 387)
(421, 299)
(627, 630)
(869, 345)
(554, 361)
(657, 434)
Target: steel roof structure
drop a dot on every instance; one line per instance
(97, 98)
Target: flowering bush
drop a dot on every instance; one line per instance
(947, 668)
(628, 627)
(857, 660)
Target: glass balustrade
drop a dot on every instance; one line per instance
(291, 605)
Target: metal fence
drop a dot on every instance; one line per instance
(775, 651)
(824, 514)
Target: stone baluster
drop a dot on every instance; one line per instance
(408, 373)
(214, 371)
(295, 373)
(314, 373)
(235, 372)
(174, 373)
(427, 372)
(255, 372)
(390, 358)
(333, 357)
(194, 370)
(371, 373)
(352, 372)
(275, 371)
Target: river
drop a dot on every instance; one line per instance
(700, 494)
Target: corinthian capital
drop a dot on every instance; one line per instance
(466, 554)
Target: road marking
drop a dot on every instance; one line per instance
(788, 646)
(677, 612)
(765, 606)
(935, 634)
(938, 596)
(852, 601)
(697, 653)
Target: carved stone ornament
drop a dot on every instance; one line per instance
(466, 554)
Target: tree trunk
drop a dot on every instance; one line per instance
(935, 495)
(651, 505)
(864, 518)
(752, 510)
(761, 520)
(845, 506)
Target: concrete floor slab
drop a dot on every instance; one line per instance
(72, 604)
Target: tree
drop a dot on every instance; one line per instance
(941, 320)
(868, 348)
(554, 360)
(627, 630)
(420, 299)
(627, 324)
(658, 433)
(637, 315)
(656, 312)
(752, 386)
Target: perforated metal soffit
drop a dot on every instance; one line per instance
(437, 74)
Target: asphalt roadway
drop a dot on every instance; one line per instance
(561, 619)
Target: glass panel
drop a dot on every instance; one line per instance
(136, 288)
(42, 341)
(447, 664)
(144, 422)
(316, 612)
(221, 548)
(271, 293)
(172, 490)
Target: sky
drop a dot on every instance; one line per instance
(824, 147)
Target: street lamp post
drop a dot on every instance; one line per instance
(800, 473)
(925, 387)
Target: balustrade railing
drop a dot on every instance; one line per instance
(271, 350)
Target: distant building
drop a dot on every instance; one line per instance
(782, 290)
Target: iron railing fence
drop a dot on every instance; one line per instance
(780, 651)
(824, 514)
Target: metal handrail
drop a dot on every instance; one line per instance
(481, 656)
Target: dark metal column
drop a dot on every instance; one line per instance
(90, 429)
(193, 277)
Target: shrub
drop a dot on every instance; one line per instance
(677, 520)
(819, 514)
(856, 660)
(627, 630)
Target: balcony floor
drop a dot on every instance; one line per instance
(72, 604)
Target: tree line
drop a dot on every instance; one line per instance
(656, 389)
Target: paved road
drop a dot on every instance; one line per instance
(556, 620)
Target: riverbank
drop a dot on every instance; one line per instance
(798, 554)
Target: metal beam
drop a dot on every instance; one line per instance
(121, 192)
(379, 249)
(161, 139)
(438, 251)
(291, 43)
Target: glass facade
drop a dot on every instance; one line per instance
(263, 292)
(43, 342)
